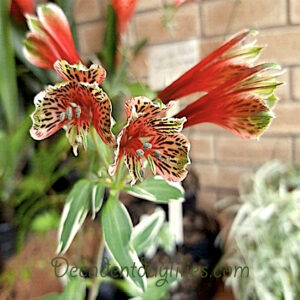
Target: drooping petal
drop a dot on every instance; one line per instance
(56, 24)
(201, 76)
(173, 156)
(39, 51)
(46, 117)
(244, 114)
(79, 72)
(235, 84)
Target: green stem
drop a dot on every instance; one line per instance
(99, 151)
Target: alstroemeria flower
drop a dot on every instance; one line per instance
(74, 104)
(50, 38)
(124, 10)
(150, 135)
(238, 95)
(19, 8)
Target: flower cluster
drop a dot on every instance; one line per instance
(238, 96)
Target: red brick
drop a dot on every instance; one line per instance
(282, 45)
(202, 147)
(248, 14)
(148, 4)
(235, 150)
(287, 119)
(295, 83)
(87, 10)
(295, 11)
(149, 25)
(90, 37)
(297, 151)
(220, 176)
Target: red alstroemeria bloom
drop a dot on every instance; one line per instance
(238, 96)
(50, 38)
(124, 10)
(149, 135)
(74, 104)
(19, 8)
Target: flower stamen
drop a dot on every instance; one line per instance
(62, 117)
(147, 146)
(77, 112)
(140, 152)
(157, 154)
(69, 113)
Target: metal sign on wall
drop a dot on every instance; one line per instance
(168, 62)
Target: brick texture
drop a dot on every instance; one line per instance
(295, 81)
(91, 37)
(283, 45)
(235, 150)
(254, 14)
(287, 120)
(295, 11)
(202, 148)
(87, 10)
(148, 4)
(297, 151)
(217, 176)
(186, 25)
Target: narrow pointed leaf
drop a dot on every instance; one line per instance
(97, 198)
(117, 230)
(147, 230)
(75, 210)
(157, 189)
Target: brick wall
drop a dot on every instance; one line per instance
(219, 158)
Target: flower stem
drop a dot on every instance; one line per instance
(93, 291)
(99, 151)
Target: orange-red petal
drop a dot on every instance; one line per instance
(56, 24)
(79, 72)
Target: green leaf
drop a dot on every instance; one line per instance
(50, 297)
(75, 289)
(137, 89)
(117, 230)
(166, 238)
(109, 49)
(97, 198)
(147, 230)
(159, 286)
(8, 79)
(45, 222)
(75, 210)
(158, 190)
